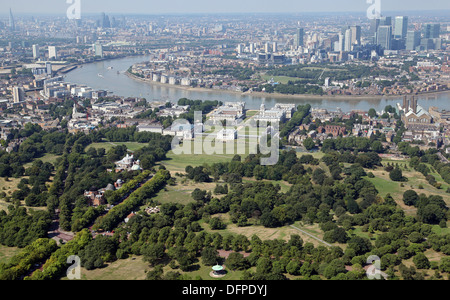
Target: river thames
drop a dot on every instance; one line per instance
(110, 75)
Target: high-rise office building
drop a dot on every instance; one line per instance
(240, 49)
(12, 23)
(104, 21)
(432, 31)
(401, 27)
(386, 21)
(356, 35)
(49, 68)
(18, 94)
(36, 52)
(298, 40)
(341, 43)
(412, 40)
(384, 37)
(252, 48)
(275, 47)
(52, 52)
(374, 24)
(348, 40)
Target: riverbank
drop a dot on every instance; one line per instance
(285, 96)
(70, 67)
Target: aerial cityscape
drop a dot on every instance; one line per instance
(198, 143)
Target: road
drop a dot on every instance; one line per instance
(314, 237)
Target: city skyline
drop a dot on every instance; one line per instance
(233, 6)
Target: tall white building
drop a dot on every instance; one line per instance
(36, 52)
(52, 52)
(348, 40)
(98, 49)
(18, 94)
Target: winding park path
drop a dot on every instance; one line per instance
(314, 237)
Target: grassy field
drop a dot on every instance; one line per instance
(7, 252)
(178, 162)
(135, 268)
(48, 157)
(10, 185)
(181, 192)
(415, 180)
(132, 268)
(285, 186)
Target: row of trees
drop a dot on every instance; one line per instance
(119, 212)
(23, 263)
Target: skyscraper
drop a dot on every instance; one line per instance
(341, 42)
(298, 40)
(348, 40)
(36, 53)
(356, 35)
(386, 21)
(432, 31)
(401, 27)
(104, 21)
(412, 40)
(384, 37)
(12, 24)
(374, 24)
(52, 52)
(18, 94)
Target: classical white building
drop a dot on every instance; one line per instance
(226, 135)
(128, 164)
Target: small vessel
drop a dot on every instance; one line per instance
(110, 68)
(100, 75)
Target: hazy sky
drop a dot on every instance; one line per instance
(214, 6)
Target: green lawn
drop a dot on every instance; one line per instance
(384, 186)
(48, 157)
(6, 253)
(132, 268)
(178, 163)
(135, 268)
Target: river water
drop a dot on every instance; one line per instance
(110, 75)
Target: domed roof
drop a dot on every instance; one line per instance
(109, 187)
(135, 168)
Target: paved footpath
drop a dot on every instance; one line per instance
(314, 237)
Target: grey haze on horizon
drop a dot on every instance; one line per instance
(151, 7)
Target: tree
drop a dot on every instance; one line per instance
(153, 252)
(360, 245)
(210, 256)
(396, 174)
(293, 267)
(236, 261)
(421, 261)
(217, 224)
(309, 144)
(334, 268)
(410, 198)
